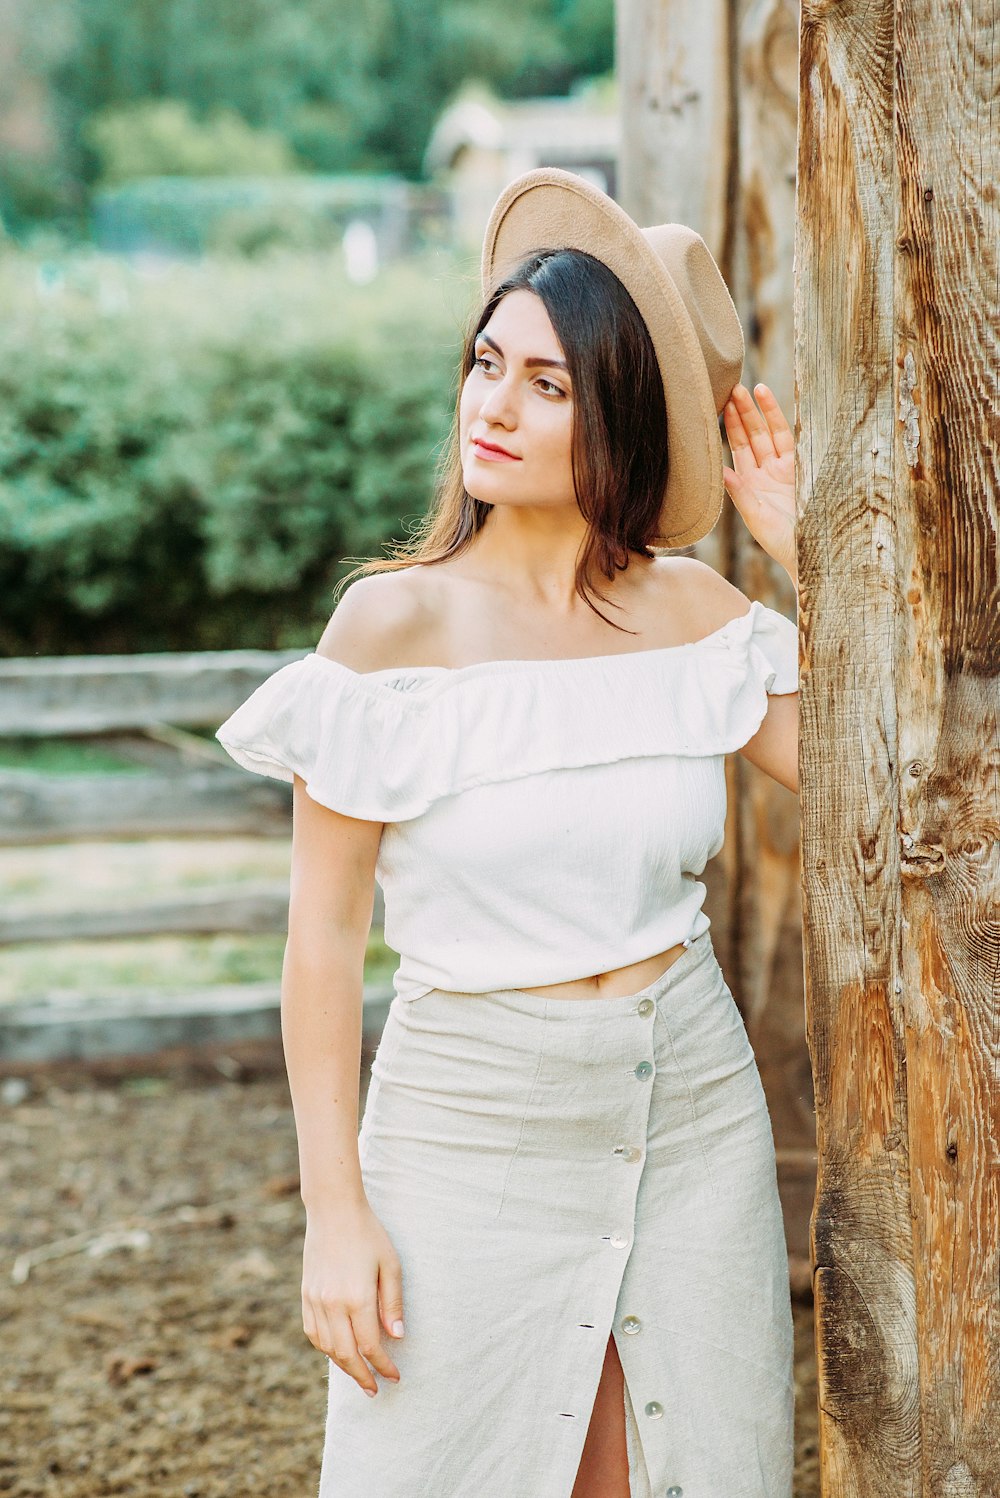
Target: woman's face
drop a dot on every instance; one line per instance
(516, 410)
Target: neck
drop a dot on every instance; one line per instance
(535, 551)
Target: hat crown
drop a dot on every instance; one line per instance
(709, 305)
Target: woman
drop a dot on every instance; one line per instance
(565, 1171)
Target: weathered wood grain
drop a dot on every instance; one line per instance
(897, 324)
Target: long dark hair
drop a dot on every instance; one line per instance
(619, 450)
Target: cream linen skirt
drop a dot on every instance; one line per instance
(550, 1172)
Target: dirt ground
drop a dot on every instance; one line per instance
(149, 1313)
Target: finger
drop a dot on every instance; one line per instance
(741, 494)
(346, 1354)
(318, 1324)
(390, 1294)
(734, 484)
(369, 1339)
(738, 436)
(781, 433)
(314, 1323)
(755, 427)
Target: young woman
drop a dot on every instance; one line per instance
(565, 1179)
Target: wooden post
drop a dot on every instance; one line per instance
(897, 315)
(709, 91)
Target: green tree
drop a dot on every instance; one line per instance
(349, 85)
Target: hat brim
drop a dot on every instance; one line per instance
(552, 209)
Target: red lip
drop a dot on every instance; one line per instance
(492, 447)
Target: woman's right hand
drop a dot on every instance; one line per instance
(349, 1270)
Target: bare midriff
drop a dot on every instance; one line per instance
(618, 983)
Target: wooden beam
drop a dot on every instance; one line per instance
(898, 428)
(247, 909)
(38, 808)
(674, 77)
(56, 695)
(125, 1022)
(253, 910)
(709, 95)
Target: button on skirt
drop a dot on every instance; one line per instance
(552, 1172)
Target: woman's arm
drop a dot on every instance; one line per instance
(774, 748)
(331, 902)
(351, 1274)
(330, 908)
(350, 1269)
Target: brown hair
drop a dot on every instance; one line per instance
(619, 450)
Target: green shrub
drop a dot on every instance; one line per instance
(189, 462)
(164, 137)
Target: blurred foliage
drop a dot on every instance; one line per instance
(187, 462)
(155, 136)
(346, 85)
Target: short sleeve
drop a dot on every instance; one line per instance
(774, 650)
(352, 746)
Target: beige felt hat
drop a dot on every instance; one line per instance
(678, 288)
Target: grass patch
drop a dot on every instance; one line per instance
(63, 757)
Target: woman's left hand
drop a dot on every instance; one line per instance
(762, 487)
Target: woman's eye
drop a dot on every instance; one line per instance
(483, 360)
(553, 387)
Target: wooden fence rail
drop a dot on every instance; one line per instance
(56, 695)
(150, 697)
(143, 708)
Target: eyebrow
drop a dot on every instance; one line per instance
(529, 363)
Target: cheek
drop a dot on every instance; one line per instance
(468, 405)
(560, 438)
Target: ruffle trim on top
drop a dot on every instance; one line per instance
(385, 745)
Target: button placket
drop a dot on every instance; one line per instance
(631, 1325)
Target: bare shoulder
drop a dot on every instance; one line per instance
(383, 619)
(700, 599)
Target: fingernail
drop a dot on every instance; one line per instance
(370, 1393)
(397, 1328)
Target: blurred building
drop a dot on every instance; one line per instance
(480, 143)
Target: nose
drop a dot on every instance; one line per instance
(498, 406)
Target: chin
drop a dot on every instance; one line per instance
(487, 494)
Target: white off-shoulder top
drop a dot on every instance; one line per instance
(545, 820)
